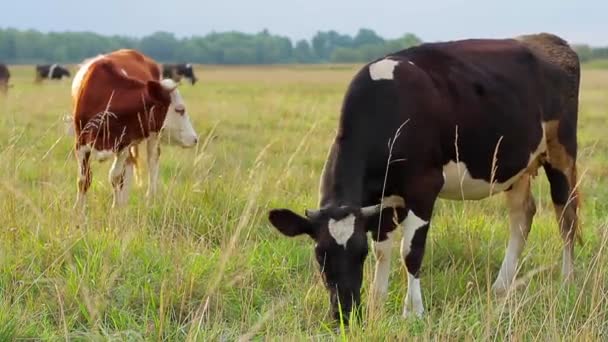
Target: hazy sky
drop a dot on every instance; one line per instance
(576, 20)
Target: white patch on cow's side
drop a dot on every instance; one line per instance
(413, 299)
(82, 71)
(51, 70)
(342, 230)
(412, 63)
(410, 225)
(177, 126)
(382, 69)
(189, 66)
(460, 185)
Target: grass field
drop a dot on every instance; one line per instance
(203, 263)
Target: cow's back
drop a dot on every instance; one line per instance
(135, 64)
(556, 52)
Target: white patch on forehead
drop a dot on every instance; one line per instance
(383, 69)
(124, 72)
(177, 126)
(342, 230)
(176, 97)
(82, 71)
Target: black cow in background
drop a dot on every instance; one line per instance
(5, 76)
(177, 71)
(51, 72)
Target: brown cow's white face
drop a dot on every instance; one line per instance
(177, 127)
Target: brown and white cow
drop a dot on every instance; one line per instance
(119, 102)
(5, 77)
(460, 120)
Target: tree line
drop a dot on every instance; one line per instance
(215, 48)
(31, 46)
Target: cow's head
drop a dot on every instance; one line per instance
(177, 127)
(340, 235)
(188, 72)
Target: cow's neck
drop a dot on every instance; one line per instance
(343, 176)
(156, 117)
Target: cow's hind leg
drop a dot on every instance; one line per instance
(118, 176)
(521, 211)
(83, 155)
(560, 168)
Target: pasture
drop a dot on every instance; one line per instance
(203, 263)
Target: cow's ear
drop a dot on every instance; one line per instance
(290, 223)
(158, 93)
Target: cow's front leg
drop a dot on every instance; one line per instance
(153, 155)
(117, 177)
(420, 197)
(382, 251)
(383, 231)
(83, 154)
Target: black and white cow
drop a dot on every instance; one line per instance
(177, 71)
(460, 120)
(51, 72)
(5, 77)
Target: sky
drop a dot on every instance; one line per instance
(578, 21)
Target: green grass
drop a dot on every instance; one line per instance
(203, 263)
(598, 64)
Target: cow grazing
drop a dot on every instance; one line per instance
(460, 120)
(51, 72)
(177, 71)
(5, 77)
(120, 101)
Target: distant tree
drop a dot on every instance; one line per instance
(303, 53)
(324, 43)
(367, 37)
(231, 47)
(162, 45)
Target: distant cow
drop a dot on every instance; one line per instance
(120, 101)
(177, 71)
(5, 77)
(51, 72)
(460, 120)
